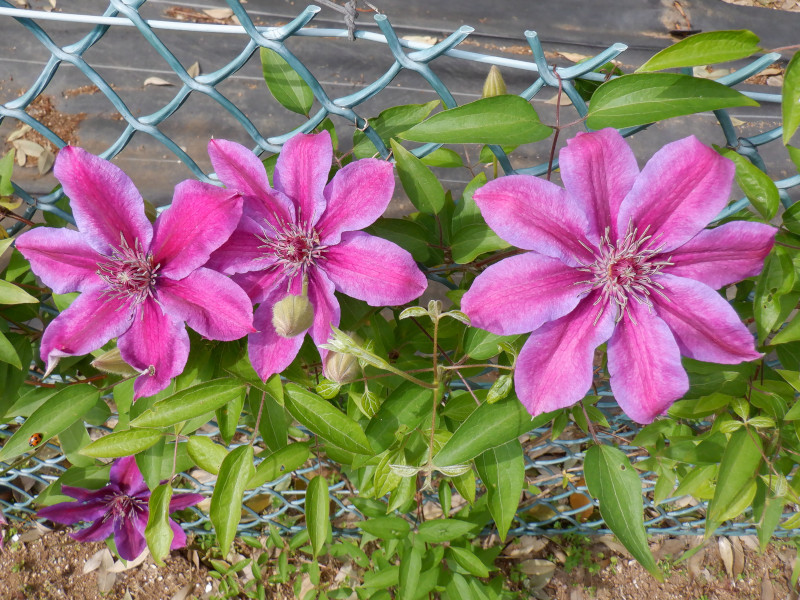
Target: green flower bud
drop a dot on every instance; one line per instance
(494, 84)
(342, 368)
(292, 316)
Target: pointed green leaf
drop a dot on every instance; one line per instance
(122, 443)
(158, 532)
(317, 513)
(502, 470)
(756, 185)
(410, 568)
(11, 294)
(467, 560)
(389, 124)
(226, 502)
(325, 420)
(505, 120)
(206, 453)
(736, 478)
(489, 426)
(419, 183)
(285, 84)
(473, 240)
(8, 354)
(616, 485)
(705, 49)
(6, 171)
(406, 406)
(646, 98)
(790, 98)
(280, 462)
(228, 415)
(191, 402)
(444, 530)
(59, 412)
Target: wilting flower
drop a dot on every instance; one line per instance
(120, 508)
(620, 256)
(139, 282)
(301, 239)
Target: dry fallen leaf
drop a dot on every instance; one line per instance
(767, 591)
(46, 160)
(93, 562)
(121, 566)
(21, 157)
(573, 56)
(194, 70)
(156, 81)
(538, 570)
(28, 147)
(219, 13)
(726, 552)
(738, 557)
(105, 578)
(182, 593)
(18, 133)
(565, 101)
(420, 39)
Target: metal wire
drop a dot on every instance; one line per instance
(553, 464)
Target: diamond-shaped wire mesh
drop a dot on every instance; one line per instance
(554, 466)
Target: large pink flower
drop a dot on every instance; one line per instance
(620, 256)
(140, 282)
(306, 229)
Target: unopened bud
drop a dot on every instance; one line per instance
(111, 362)
(342, 368)
(494, 84)
(292, 316)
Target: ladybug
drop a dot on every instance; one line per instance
(35, 440)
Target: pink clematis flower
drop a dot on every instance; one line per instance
(120, 508)
(139, 282)
(620, 256)
(302, 236)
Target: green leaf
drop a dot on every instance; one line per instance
(6, 171)
(794, 154)
(386, 528)
(481, 345)
(616, 485)
(8, 354)
(158, 532)
(59, 412)
(737, 471)
(191, 402)
(228, 415)
(467, 560)
(419, 183)
(280, 462)
(641, 99)
(756, 185)
(410, 568)
(226, 502)
(505, 120)
(409, 235)
(11, 294)
(325, 420)
(273, 426)
(473, 240)
(502, 470)
(443, 158)
(317, 513)
(776, 280)
(389, 124)
(790, 98)
(444, 530)
(489, 426)
(122, 443)
(705, 49)
(285, 84)
(406, 406)
(206, 453)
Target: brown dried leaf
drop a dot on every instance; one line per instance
(767, 591)
(156, 81)
(194, 70)
(105, 578)
(182, 593)
(539, 571)
(738, 557)
(28, 147)
(573, 56)
(726, 553)
(219, 13)
(46, 160)
(18, 133)
(11, 203)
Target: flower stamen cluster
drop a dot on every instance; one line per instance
(130, 273)
(293, 248)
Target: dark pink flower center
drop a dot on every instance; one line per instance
(294, 248)
(129, 273)
(625, 270)
(121, 507)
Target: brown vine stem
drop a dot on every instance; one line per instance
(258, 417)
(557, 128)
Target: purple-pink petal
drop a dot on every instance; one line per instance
(157, 345)
(356, 196)
(201, 218)
(645, 365)
(129, 537)
(534, 214)
(302, 172)
(69, 513)
(704, 324)
(96, 532)
(178, 536)
(270, 353)
(103, 199)
(373, 269)
(326, 309)
(210, 303)
(259, 285)
(241, 170)
(680, 190)
(84, 495)
(555, 367)
(243, 252)
(598, 169)
(724, 255)
(125, 474)
(520, 293)
(88, 323)
(62, 259)
(182, 501)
